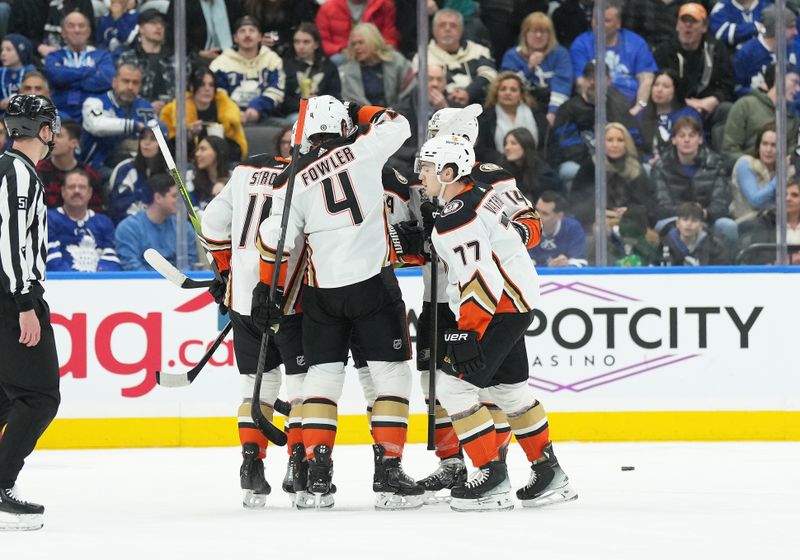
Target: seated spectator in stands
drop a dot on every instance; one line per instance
(543, 62)
(209, 170)
(532, 173)
(762, 228)
(211, 30)
(754, 177)
(118, 28)
(470, 68)
(62, 160)
(34, 83)
(665, 106)
(756, 55)
(632, 242)
(153, 227)
(308, 71)
(563, 240)
(251, 73)
(654, 20)
(693, 173)
(627, 183)
(734, 21)
(336, 18)
(704, 65)
(208, 108)
(16, 55)
(278, 20)
(283, 142)
(572, 140)
(627, 57)
(755, 110)
(41, 21)
(129, 189)
(150, 53)
(79, 239)
(78, 70)
(113, 121)
(509, 105)
(572, 18)
(689, 243)
(375, 73)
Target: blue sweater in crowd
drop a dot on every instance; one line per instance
(732, 24)
(554, 72)
(75, 76)
(568, 240)
(751, 61)
(10, 80)
(137, 233)
(115, 33)
(106, 123)
(80, 245)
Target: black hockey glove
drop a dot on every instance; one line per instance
(522, 231)
(463, 352)
(429, 213)
(264, 312)
(352, 112)
(218, 289)
(408, 238)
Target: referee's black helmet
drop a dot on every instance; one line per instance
(27, 114)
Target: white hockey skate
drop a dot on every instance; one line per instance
(488, 489)
(17, 514)
(548, 483)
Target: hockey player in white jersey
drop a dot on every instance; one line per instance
(351, 291)
(492, 287)
(230, 230)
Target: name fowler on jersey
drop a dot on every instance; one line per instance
(321, 168)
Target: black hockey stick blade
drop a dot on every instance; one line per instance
(167, 379)
(168, 271)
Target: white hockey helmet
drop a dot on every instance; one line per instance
(461, 122)
(450, 149)
(325, 115)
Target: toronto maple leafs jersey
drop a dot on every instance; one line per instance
(85, 245)
(230, 227)
(488, 268)
(338, 205)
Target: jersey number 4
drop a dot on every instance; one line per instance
(345, 200)
(266, 206)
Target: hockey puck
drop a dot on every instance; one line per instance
(627, 468)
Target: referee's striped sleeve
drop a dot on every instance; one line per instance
(15, 205)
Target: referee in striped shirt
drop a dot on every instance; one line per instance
(28, 361)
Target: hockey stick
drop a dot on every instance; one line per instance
(433, 361)
(168, 379)
(171, 273)
(266, 427)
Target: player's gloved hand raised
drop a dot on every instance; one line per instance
(352, 112)
(218, 289)
(408, 238)
(463, 352)
(429, 213)
(522, 231)
(266, 313)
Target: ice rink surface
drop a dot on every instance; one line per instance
(683, 500)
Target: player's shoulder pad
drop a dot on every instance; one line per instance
(462, 209)
(490, 173)
(396, 183)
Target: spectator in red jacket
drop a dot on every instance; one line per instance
(335, 19)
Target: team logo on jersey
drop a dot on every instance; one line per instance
(400, 178)
(489, 167)
(22, 203)
(452, 207)
(397, 344)
(300, 360)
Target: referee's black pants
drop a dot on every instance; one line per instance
(29, 379)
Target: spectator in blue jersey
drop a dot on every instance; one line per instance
(113, 120)
(521, 158)
(693, 173)
(509, 105)
(572, 140)
(16, 56)
(119, 27)
(153, 227)
(734, 21)
(563, 240)
(665, 106)
(627, 57)
(544, 63)
(79, 239)
(704, 65)
(251, 73)
(690, 243)
(78, 70)
(753, 57)
(41, 21)
(130, 190)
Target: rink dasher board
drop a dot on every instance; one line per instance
(652, 354)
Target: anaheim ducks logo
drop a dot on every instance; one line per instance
(489, 167)
(452, 207)
(400, 177)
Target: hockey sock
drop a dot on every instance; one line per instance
(501, 426)
(320, 419)
(248, 431)
(475, 429)
(444, 436)
(390, 424)
(531, 429)
(294, 426)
